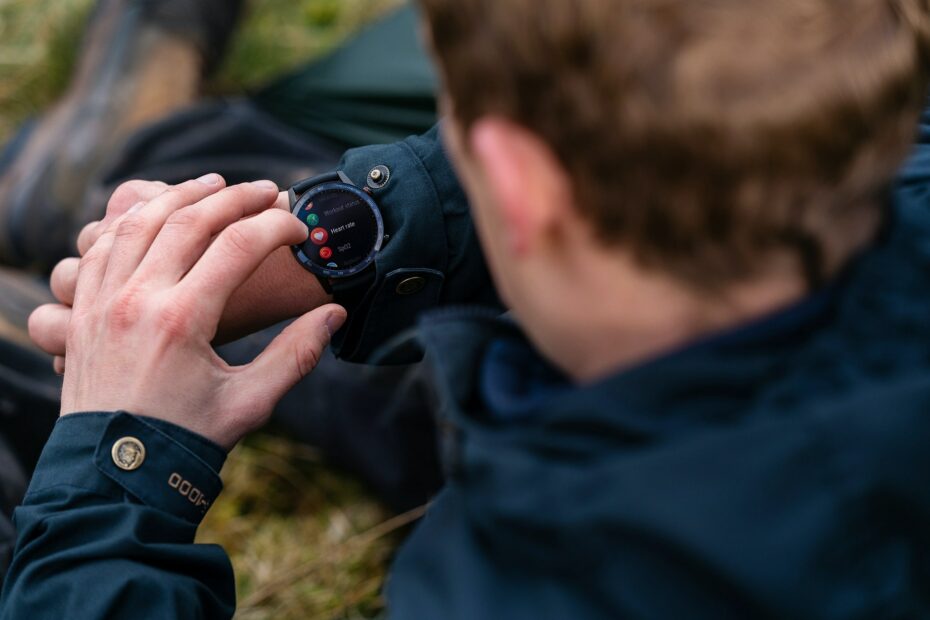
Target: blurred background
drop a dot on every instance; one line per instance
(305, 540)
(39, 41)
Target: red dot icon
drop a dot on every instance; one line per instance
(319, 236)
(326, 253)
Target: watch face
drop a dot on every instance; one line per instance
(345, 230)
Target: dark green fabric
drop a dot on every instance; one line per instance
(375, 89)
(66, 564)
(431, 236)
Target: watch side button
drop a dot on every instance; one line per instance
(378, 177)
(410, 286)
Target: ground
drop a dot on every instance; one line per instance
(306, 541)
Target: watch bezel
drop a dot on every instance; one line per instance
(312, 267)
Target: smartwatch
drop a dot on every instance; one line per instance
(346, 232)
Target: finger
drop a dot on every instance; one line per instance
(93, 230)
(188, 232)
(133, 192)
(88, 236)
(48, 327)
(290, 357)
(124, 197)
(64, 279)
(58, 364)
(92, 268)
(139, 226)
(234, 256)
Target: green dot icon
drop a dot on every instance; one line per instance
(313, 219)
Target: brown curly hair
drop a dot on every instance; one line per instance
(705, 136)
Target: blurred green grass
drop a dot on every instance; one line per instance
(306, 541)
(39, 40)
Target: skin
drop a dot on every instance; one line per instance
(140, 327)
(279, 289)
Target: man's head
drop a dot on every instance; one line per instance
(710, 143)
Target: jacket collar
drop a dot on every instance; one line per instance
(866, 328)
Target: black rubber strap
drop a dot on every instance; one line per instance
(350, 292)
(325, 282)
(302, 186)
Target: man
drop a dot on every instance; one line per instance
(716, 408)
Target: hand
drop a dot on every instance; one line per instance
(280, 289)
(149, 295)
(48, 328)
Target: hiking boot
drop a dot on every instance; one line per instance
(140, 61)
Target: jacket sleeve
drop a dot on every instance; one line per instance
(98, 540)
(431, 243)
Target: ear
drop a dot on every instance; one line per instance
(524, 178)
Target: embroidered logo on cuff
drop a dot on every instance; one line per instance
(128, 453)
(189, 491)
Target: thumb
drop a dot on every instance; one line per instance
(291, 356)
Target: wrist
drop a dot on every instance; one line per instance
(280, 289)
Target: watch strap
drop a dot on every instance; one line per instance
(330, 177)
(351, 292)
(325, 282)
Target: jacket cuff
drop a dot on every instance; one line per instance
(132, 458)
(411, 267)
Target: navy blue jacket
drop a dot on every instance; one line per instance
(779, 469)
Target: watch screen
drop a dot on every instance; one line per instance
(345, 229)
